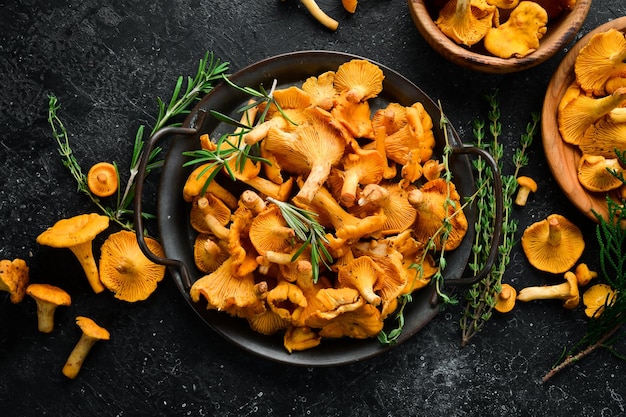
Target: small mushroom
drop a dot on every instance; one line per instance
(91, 334)
(125, 270)
(362, 274)
(584, 275)
(519, 36)
(604, 136)
(593, 173)
(597, 298)
(359, 80)
(77, 234)
(48, 298)
(319, 14)
(360, 168)
(505, 299)
(14, 278)
(553, 244)
(567, 291)
(526, 186)
(102, 179)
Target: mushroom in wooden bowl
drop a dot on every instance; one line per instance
(597, 101)
(498, 36)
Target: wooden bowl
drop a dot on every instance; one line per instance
(560, 32)
(562, 157)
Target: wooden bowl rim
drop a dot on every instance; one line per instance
(550, 44)
(556, 150)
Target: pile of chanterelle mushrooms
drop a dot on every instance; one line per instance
(592, 112)
(373, 185)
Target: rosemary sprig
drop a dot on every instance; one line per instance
(481, 297)
(309, 231)
(209, 71)
(604, 329)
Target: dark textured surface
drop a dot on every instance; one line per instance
(107, 62)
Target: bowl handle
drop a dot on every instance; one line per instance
(185, 279)
(497, 221)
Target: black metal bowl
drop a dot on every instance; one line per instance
(177, 236)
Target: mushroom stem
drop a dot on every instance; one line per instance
(554, 231)
(319, 14)
(84, 254)
(545, 292)
(77, 357)
(45, 316)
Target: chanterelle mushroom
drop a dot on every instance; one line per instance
(125, 270)
(48, 298)
(91, 334)
(601, 59)
(597, 298)
(593, 173)
(567, 291)
(526, 186)
(466, 21)
(14, 278)
(519, 36)
(505, 299)
(102, 179)
(77, 234)
(553, 244)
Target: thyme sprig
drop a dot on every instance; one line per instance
(309, 231)
(481, 297)
(209, 71)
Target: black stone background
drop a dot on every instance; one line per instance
(107, 61)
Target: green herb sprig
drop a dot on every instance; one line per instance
(209, 71)
(481, 297)
(603, 330)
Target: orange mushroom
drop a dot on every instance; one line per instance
(603, 58)
(14, 278)
(48, 298)
(102, 179)
(466, 21)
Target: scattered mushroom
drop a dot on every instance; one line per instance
(91, 334)
(102, 179)
(597, 298)
(48, 298)
(553, 244)
(593, 173)
(584, 275)
(505, 299)
(77, 234)
(567, 291)
(14, 278)
(125, 270)
(526, 186)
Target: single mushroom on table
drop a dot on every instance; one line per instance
(48, 298)
(584, 275)
(102, 179)
(526, 186)
(597, 298)
(505, 299)
(77, 234)
(92, 333)
(14, 278)
(125, 270)
(566, 291)
(553, 245)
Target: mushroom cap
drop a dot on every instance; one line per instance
(209, 254)
(74, 231)
(102, 179)
(300, 338)
(208, 204)
(125, 270)
(49, 294)
(593, 173)
(505, 299)
(527, 182)
(466, 21)
(14, 278)
(321, 89)
(269, 232)
(91, 329)
(362, 274)
(584, 274)
(359, 80)
(553, 244)
(596, 298)
(603, 137)
(600, 60)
